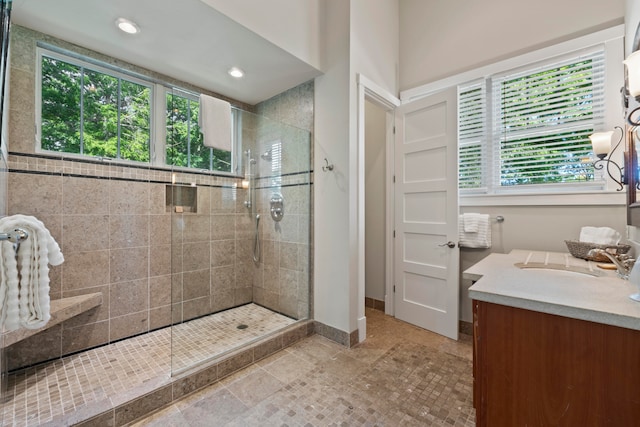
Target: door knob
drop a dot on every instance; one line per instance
(449, 244)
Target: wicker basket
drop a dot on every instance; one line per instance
(581, 250)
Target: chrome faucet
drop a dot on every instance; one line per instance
(624, 263)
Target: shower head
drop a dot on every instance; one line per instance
(266, 155)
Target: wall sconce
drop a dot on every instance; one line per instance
(601, 142)
(633, 76)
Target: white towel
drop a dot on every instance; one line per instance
(214, 120)
(600, 235)
(24, 291)
(471, 222)
(477, 239)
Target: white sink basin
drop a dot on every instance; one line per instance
(560, 269)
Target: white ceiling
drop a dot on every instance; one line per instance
(184, 39)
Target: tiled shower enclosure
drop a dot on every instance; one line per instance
(155, 265)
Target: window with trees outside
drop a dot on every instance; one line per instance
(530, 127)
(185, 145)
(95, 111)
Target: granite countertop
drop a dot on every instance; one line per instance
(603, 298)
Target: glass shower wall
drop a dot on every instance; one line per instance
(240, 244)
(283, 193)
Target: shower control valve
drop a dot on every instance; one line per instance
(277, 207)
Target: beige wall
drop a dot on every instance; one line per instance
(360, 36)
(542, 228)
(332, 277)
(375, 219)
(441, 38)
(375, 32)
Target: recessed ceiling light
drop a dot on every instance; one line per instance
(235, 72)
(127, 26)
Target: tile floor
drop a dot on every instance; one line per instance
(400, 376)
(107, 375)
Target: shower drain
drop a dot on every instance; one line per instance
(242, 326)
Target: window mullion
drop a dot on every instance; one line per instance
(81, 110)
(118, 122)
(189, 133)
(158, 126)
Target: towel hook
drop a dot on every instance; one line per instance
(327, 166)
(15, 236)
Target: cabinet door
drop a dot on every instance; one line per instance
(544, 370)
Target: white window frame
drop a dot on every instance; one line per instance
(492, 135)
(158, 133)
(612, 39)
(40, 52)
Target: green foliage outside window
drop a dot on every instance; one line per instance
(536, 111)
(93, 113)
(185, 145)
(531, 127)
(89, 112)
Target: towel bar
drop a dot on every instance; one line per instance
(16, 236)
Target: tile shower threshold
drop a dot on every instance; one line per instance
(130, 403)
(156, 394)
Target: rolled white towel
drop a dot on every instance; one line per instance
(9, 288)
(34, 255)
(600, 235)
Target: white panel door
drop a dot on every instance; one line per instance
(426, 213)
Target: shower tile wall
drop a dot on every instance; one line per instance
(283, 278)
(119, 238)
(115, 233)
(114, 229)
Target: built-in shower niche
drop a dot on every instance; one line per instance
(181, 199)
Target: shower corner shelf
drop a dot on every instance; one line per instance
(61, 310)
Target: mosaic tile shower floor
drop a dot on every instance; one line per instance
(35, 395)
(400, 376)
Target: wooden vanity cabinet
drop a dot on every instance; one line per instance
(537, 369)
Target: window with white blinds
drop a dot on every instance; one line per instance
(531, 126)
(472, 141)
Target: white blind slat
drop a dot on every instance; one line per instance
(543, 118)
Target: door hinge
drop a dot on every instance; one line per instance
(394, 130)
(394, 234)
(394, 289)
(394, 179)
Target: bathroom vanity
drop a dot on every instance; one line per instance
(556, 342)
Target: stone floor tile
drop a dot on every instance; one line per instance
(400, 376)
(216, 409)
(287, 367)
(255, 387)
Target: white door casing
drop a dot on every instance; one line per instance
(374, 93)
(426, 213)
